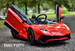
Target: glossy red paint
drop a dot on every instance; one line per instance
(60, 21)
(57, 39)
(58, 29)
(53, 30)
(13, 20)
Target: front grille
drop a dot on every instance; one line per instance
(45, 38)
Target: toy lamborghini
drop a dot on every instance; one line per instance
(37, 29)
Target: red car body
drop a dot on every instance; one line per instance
(55, 32)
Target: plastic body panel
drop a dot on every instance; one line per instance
(14, 21)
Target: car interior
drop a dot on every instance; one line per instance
(40, 19)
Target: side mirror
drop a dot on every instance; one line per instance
(62, 17)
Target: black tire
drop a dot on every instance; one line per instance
(31, 37)
(14, 34)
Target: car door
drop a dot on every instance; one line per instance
(58, 14)
(13, 20)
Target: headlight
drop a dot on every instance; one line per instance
(67, 27)
(44, 31)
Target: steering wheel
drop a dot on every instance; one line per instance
(39, 21)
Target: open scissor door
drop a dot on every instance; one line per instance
(58, 14)
(15, 19)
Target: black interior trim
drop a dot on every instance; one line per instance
(57, 13)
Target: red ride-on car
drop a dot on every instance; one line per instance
(37, 29)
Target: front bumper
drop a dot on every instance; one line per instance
(47, 39)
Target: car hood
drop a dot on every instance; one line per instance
(52, 27)
(55, 29)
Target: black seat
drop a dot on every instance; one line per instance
(34, 16)
(33, 19)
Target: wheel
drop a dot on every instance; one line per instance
(31, 37)
(14, 33)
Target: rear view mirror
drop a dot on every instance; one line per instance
(62, 17)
